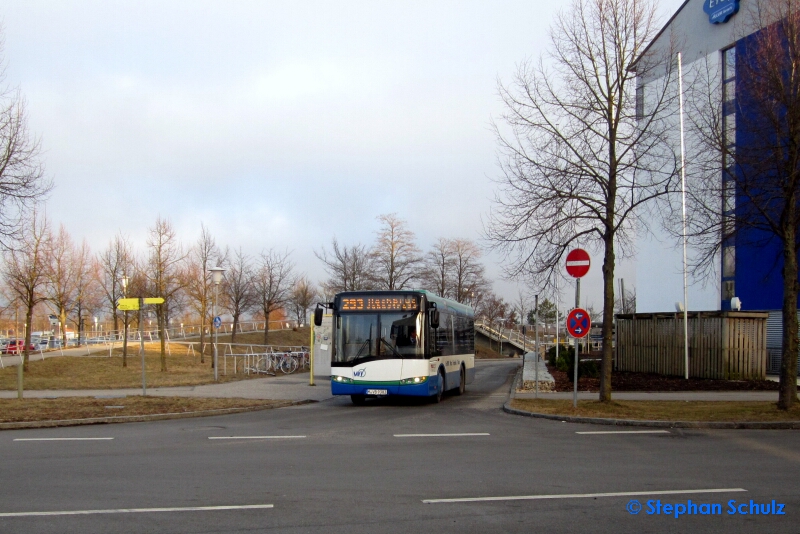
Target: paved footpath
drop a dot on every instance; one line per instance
(663, 395)
(292, 387)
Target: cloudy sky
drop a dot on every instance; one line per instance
(275, 124)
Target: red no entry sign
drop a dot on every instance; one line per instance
(578, 263)
(578, 323)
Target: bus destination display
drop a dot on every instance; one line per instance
(408, 303)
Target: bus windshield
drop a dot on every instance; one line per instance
(378, 335)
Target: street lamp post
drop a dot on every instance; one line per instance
(216, 278)
(125, 324)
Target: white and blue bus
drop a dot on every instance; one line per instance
(400, 343)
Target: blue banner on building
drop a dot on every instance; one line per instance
(720, 11)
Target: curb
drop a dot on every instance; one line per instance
(753, 425)
(145, 418)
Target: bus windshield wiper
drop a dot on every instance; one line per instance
(367, 343)
(391, 347)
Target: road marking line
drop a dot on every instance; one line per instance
(441, 435)
(626, 432)
(139, 510)
(582, 495)
(256, 437)
(62, 439)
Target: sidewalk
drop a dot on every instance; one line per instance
(687, 396)
(292, 387)
(660, 395)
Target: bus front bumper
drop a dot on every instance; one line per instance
(377, 389)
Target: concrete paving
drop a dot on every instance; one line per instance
(294, 387)
(662, 395)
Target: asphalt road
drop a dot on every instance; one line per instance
(336, 468)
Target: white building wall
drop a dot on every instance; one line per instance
(659, 264)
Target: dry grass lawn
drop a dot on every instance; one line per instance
(663, 410)
(102, 372)
(63, 408)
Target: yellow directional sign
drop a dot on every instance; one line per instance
(127, 304)
(133, 304)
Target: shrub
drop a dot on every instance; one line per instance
(566, 356)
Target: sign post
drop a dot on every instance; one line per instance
(134, 304)
(578, 325)
(578, 263)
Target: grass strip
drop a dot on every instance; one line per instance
(62, 408)
(725, 411)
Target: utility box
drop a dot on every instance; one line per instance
(323, 348)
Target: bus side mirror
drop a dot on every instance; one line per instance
(434, 318)
(318, 316)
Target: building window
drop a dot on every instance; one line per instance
(728, 289)
(728, 262)
(728, 174)
(639, 101)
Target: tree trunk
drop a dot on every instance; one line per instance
(608, 320)
(787, 394)
(235, 325)
(161, 334)
(26, 356)
(203, 336)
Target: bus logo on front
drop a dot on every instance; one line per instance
(360, 373)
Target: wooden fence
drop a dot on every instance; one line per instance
(722, 345)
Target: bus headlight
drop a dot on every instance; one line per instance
(341, 379)
(415, 380)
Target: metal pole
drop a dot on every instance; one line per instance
(214, 313)
(576, 358)
(536, 360)
(683, 201)
(311, 356)
(141, 347)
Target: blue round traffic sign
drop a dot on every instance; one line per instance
(217, 321)
(578, 323)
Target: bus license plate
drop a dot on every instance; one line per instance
(377, 392)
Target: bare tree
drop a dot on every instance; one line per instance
(437, 271)
(348, 268)
(25, 271)
(272, 283)
(302, 297)
(61, 275)
(115, 264)
(198, 284)
(577, 167)
(88, 293)
(626, 303)
(757, 200)
(469, 275)
(397, 259)
(237, 289)
(22, 180)
(164, 275)
(115, 268)
(492, 309)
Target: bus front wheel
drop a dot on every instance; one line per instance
(437, 398)
(462, 383)
(358, 400)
